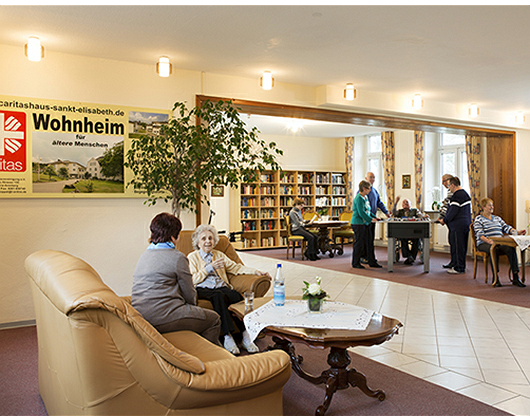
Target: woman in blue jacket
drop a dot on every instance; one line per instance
(361, 219)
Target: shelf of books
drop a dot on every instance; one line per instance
(265, 203)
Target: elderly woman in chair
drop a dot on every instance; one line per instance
(486, 225)
(209, 268)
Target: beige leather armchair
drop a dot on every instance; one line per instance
(242, 282)
(98, 355)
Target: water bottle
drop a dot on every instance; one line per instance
(279, 287)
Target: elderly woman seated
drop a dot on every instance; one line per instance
(486, 225)
(209, 268)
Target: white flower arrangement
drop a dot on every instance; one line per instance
(313, 290)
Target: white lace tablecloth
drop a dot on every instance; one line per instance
(522, 241)
(335, 315)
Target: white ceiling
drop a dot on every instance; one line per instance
(451, 54)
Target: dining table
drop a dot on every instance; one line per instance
(512, 241)
(325, 244)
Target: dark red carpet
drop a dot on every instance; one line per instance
(436, 279)
(405, 394)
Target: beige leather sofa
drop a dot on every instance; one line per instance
(98, 356)
(242, 282)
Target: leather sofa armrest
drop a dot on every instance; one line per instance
(236, 373)
(251, 282)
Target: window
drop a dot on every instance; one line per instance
(375, 164)
(453, 159)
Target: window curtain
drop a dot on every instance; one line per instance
(389, 158)
(473, 149)
(348, 156)
(418, 167)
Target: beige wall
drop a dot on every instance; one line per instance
(110, 234)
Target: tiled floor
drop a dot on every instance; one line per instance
(477, 348)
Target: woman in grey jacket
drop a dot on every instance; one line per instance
(297, 228)
(163, 290)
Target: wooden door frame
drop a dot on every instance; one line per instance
(375, 120)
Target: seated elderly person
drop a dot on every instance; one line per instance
(486, 225)
(209, 268)
(163, 289)
(409, 253)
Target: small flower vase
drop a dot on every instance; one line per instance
(314, 304)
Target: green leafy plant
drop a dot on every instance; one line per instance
(207, 144)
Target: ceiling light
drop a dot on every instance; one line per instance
(473, 110)
(164, 67)
(519, 118)
(267, 81)
(33, 49)
(417, 102)
(350, 93)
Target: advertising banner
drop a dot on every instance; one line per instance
(51, 148)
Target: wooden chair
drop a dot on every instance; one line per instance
(294, 239)
(343, 233)
(476, 253)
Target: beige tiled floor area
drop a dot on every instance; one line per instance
(477, 348)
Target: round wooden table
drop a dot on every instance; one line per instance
(339, 375)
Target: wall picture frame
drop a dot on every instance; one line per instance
(405, 183)
(217, 191)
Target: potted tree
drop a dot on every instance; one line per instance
(207, 144)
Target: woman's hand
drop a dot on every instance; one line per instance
(521, 232)
(217, 264)
(262, 273)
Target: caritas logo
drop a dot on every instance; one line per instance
(12, 141)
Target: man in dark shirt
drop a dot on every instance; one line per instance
(458, 219)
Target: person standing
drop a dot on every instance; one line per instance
(375, 203)
(458, 220)
(443, 210)
(361, 220)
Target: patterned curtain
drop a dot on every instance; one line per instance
(418, 168)
(350, 189)
(389, 158)
(473, 149)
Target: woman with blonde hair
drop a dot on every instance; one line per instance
(487, 225)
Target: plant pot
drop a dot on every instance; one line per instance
(314, 305)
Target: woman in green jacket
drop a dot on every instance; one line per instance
(360, 221)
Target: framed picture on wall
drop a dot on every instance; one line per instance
(406, 182)
(218, 191)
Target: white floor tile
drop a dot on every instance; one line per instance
(474, 347)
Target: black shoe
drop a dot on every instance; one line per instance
(498, 284)
(375, 265)
(315, 257)
(409, 261)
(364, 260)
(516, 281)
(358, 266)
(450, 265)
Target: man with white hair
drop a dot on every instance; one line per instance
(409, 253)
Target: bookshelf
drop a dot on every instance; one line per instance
(264, 203)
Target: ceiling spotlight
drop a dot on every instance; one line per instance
(473, 110)
(350, 93)
(33, 49)
(266, 81)
(417, 102)
(164, 67)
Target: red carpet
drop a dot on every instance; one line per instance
(436, 279)
(406, 395)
